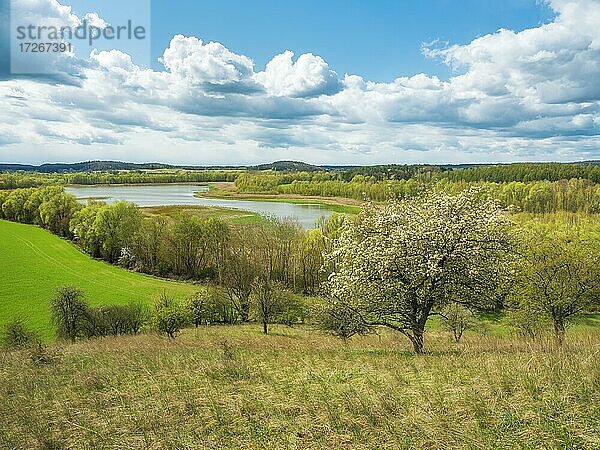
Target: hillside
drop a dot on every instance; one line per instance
(279, 166)
(34, 262)
(232, 387)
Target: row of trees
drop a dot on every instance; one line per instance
(15, 180)
(524, 172)
(575, 194)
(188, 247)
(75, 319)
(49, 207)
(195, 248)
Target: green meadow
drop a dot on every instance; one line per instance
(233, 387)
(34, 262)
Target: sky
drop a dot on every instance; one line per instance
(329, 82)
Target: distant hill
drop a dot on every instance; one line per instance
(104, 166)
(87, 166)
(287, 166)
(280, 166)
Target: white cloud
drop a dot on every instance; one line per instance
(308, 76)
(197, 63)
(94, 20)
(525, 95)
(113, 59)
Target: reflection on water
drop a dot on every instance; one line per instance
(179, 194)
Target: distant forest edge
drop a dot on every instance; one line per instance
(551, 171)
(92, 166)
(528, 187)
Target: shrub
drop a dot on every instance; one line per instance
(527, 322)
(210, 306)
(120, 319)
(16, 335)
(294, 311)
(457, 320)
(169, 317)
(196, 306)
(70, 313)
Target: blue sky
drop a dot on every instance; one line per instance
(380, 40)
(334, 82)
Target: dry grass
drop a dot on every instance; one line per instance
(231, 387)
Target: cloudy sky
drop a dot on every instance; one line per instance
(348, 82)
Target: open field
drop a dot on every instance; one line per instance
(33, 262)
(204, 212)
(227, 190)
(231, 387)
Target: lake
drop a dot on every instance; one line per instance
(183, 194)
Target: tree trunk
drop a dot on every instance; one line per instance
(559, 330)
(245, 311)
(417, 340)
(265, 327)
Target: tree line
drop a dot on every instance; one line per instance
(259, 269)
(15, 180)
(575, 195)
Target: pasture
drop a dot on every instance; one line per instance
(232, 387)
(34, 262)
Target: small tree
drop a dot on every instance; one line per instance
(269, 299)
(169, 316)
(69, 312)
(457, 320)
(238, 271)
(560, 275)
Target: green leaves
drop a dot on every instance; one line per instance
(398, 262)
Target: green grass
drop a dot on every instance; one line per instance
(232, 387)
(331, 203)
(205, 212)
(33, 263)
(336, 207)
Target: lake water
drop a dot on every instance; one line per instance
(180, 194)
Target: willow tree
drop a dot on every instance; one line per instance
(398, 264)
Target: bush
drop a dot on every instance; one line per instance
(196, 306)
(294, 311)
(528, 323)
(209, 307)
(16, 335)
(119, 319)
(457, 320)
(169, 317)
(70, 313)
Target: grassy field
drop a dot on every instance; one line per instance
(34, 262)
(232, 387)
(227, 190)
(204, 212)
